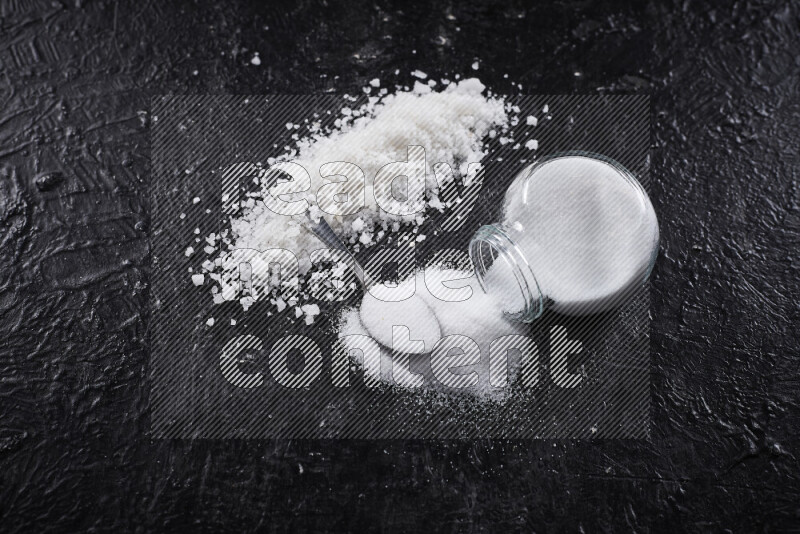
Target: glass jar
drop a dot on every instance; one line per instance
(578, 236)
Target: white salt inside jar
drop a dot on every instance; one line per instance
(579, 234)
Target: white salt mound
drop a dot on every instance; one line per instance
(380, 317)
(450, 125)
(480, 317)
(450, 122)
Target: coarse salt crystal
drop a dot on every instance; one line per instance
(452, 122)
(310, 311)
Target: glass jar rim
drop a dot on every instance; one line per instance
(495, 240)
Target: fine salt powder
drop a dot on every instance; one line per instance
(479, 316)
(503, 287)
(383, 318)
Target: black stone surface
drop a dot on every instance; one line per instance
(75, 82)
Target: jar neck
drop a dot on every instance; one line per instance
(492, 243)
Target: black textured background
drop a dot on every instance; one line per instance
(75, 81)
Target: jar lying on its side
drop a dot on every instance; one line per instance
(579, 235)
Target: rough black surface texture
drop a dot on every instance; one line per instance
(75, 79)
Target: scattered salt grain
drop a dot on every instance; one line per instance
(531, 121)
(533, 144)
(310, 311)
(365, 238)
(198, 279)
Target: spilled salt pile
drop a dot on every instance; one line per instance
(380, 318)
(450, 125)
(467, 311)
(453, 121)
(478, 315)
